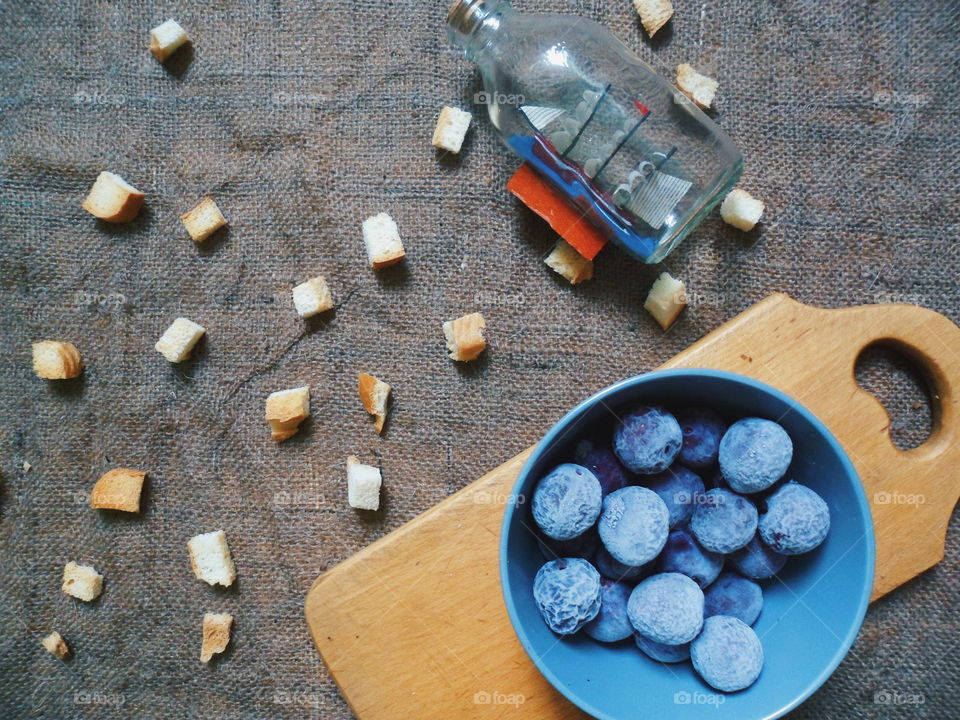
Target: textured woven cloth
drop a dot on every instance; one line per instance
(302, 118)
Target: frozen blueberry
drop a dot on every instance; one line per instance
(660, 652)
(567, 591)
(754, 454)
(667, 608)
(756, 560)
(683, 554)
(633, 525)
(796, 520)
(727, 655)
(567, 501)
(733, 595)
(678, 488)
(582, 546)
(723, 521)
(604, 464)
(648, 440)
(702, 429)
(609, 567)
(611, 623)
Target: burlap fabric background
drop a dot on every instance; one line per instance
(302, 118)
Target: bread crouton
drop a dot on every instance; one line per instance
(374, 395)
(465, 336)
(741, 209)
(286, 409)
(216, 634)
(666, 299)
(203, 220)
(653, 14)
(699, 88)
(210, 558)
(81, 582)
(113, 199)
(56, 645)
(118, 489)
(53, 360)
(166, 39)
(363, 485)
(451, 127)
(382, 239)
(312, 297)
(176, 343)
(565, 260)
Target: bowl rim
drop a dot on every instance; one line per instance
(560, 427)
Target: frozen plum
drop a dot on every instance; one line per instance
(754, 454)
(567, 591)
(609, 567)
(796, 521)
(702, 429)
(633, 525)
(648, 440)
(733, 595)
(660, 652)
(723, 521)
(727, 654)
(611, 623)
(667, 608)
(679, 488)
(567, 501)
(604, 464)
(683, 554)
(756, 560)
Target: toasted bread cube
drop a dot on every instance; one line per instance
(451, 127)
(382, 239)
(465, 336)
(666, 299)
(53, 360)
(81, 582)
(210, 558)
(374, 395)
(699, 88)
(166, 38)
(113, 199)
(565, 260)
(741, 209)
(312, 297)
(216, 634)
(653, 14)
(204, 220)
(177, 342)
(118, 489)
(363, 485)
(286, 409)
(56, 645)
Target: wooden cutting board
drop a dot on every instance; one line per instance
(414, 626)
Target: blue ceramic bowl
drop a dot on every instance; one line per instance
(811, 613)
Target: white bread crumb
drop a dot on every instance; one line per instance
(216, 634)
(374, 395)
(203, 220)
(451, 127)
(565, 260)
(699, 88)
(312, 297)
(741, 209)
(166, 38)
(286, 409)
(176, 343)
(653, 14)
(118, 489)
(56, 645)
(465, 336)
(363, 485)
(113, 199)
(26, 466)
(666, 299)
(210, 558)
(81, 581)
(53, 360)
(380, 235)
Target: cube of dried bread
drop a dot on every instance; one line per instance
(740, 209)
(382, 239)
(81, 581)
(565, 260)
(451, 127)
(374, 395)
(286, 409)
(216, 634)
(53, 360)
(465, 336)
(113, 199)
(56, 645)
(666, 299)
(203, 220)
(363, 485)
(653, 14)
(118, 489)
(166, 38)
(176, 343)
(699, 88)
(312, 297)
(210, 558)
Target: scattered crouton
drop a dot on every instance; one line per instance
(118, 489)
(666, 299)
(451, 127)
(363, 485)
(204, 220)
(741, 209)
(653, 14)
(699, 88)
(56, 645)
(166, 38)
(26, 466)
(465, 336)
(216, 634)
(565, 260)
(384, 247)
(178, 340)
(374, 395)
(53, 360)
(210, 558)
(312, 297)
(286, 409)
(81, 582)
(113, 199)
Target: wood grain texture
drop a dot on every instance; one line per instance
(415, 625)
